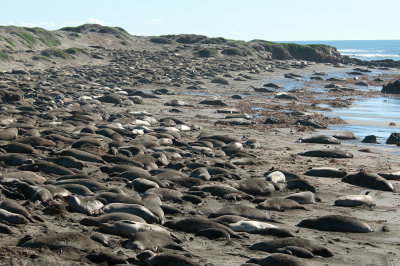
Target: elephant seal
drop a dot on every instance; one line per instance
(244, 211)
(111, 218)
(126, 228)
(306, 197)
(271, 245)
(107, 197)
(8, 134)
(368, 180)
(135, 209)
(152, 259)
(321, 139)
(14, 207)
(255, 227)
(328, 154)
(301, 184)
(92, 185)
(148, 240)
(23, 176)
(34, 193)
(276, 177)
(84, 205)
(12, 218)
(214, 233)
(224, 191)
(278, 259)
(336, 223)
(62, 240)
(355, 201)
(81, 155)
(15, 159)
(326, 172)
(47, 167)
(296, 251)
(280, 204)
(16, 147)
(255, 187)
(4, 229)
(68, 162)
(195, 225)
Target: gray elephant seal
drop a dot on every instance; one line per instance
(306, 197)
(322, 139)
(328, 154)
(368, 180)
(15, 159)
(278, 260)
(355, 201)
(336, 223)
(271, 245)
(86, 205)
(34, 193)
(296, 251)
(127, 228)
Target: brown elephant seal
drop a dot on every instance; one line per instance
(152, 259)
(12, 218)
(296, 251)
(47, 167)
(271, 245)
(278, 259)
(279, 204)
(15, 159)
(255, 187)
(368, 180)
(135, 209)
(14, 207)
(62, 240)
(110, 218)
(23, 176)
(195, 225)
(8, 134)
(34, 193)
(244, 211)
(336, 223)
(326, 172)
(148, 240)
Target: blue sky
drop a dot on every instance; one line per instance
(278, 20)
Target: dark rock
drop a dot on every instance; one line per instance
(393, 139)
(237, 97)
(392, 88)
(213, 102)
(271, 85)
(272, 120)
(370, 139)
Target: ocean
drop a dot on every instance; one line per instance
(364, 49)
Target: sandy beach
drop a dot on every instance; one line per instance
(196, 146)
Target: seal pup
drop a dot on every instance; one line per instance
(368, 180)
(336, 223)
(23, 176)
(14, 207)
(12, 218)
(34, 193)
(328, 154)
(271, 245)
(296, 251)
(321, 139)
(255, 186)
(15, 159)
(256, 227)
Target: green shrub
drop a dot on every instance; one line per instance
(46, 37)
(4, 56)
(52, 52)
(161, 40)
(207, 52)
